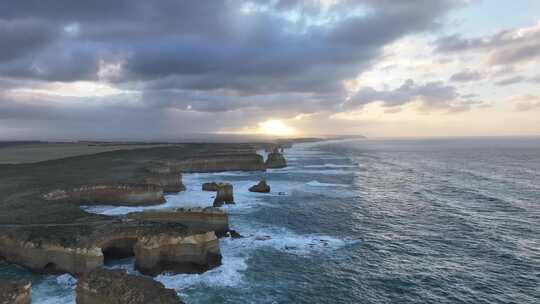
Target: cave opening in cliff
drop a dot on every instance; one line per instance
(118, 249)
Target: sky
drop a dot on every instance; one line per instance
(159, 70)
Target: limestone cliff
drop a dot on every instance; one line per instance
(117, 194)
(195, 219)
(170, 182)
(15, 292)
(177, 253)
(220, 163)
(102, 286)
(79, 249)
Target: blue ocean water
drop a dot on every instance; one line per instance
(369, 221)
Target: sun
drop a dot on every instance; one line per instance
(275, 127)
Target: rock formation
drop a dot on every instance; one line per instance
(213, 186)
(79, 248)
(194, 253)
(170, 182)
(220, 163)
(118, 194)
(165, 175)
(224, 195)
(276, 160)
(15, 292)
(195, 219)
(102, 286)
(261, 187)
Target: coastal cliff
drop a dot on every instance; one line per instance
(220, 163)
(15, 292)
(114, 194)
(195, 219)
(78, 249)
(170, 182)
(102, 286)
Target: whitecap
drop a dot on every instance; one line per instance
(331, 166)
(315, 183)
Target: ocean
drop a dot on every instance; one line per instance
(368, 221)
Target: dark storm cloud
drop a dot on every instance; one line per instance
(23, 37)
(201, 58)
(215, 42)
(466, 76)
(504, 48)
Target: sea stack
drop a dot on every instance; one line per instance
(261, 187)
(276, 160)
(213, 186)
(15, 292)
(224, 194)
(103, 286)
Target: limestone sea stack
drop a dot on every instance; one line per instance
(213, 186)
(224, 195)
(103, 286)
(15, 292)
(113, 194)
(261, 187)
(276, 160)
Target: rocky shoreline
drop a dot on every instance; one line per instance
(168, 240)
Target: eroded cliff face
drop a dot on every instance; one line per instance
(104, 286)
(220, 163)
(15, 292)
(195, 219)
(121, 194)
(170, 182)
(50, 257)
(176, 253)
(155, 245)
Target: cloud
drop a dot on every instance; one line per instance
(466, 76)
(510, 81)
(433, 96)
(229, 62)
(23, 37)
(509, 46)
(525, 103)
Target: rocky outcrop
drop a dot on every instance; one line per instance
(276, 160)
(261, 187)
(118, 194)
(102, 286)
(220, 163)
(224, 194)
(74, 249)
(195, 219)
(15, 292)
